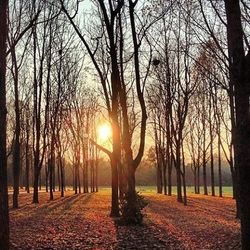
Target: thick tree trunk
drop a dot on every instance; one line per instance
(240, 79)
(159, 178)
(131, 195)
(233, 163)
(116, 139)
(35, 186)
(115, 197)
(4, 208)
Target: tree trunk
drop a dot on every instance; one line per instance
(4, 208)
(170, 177)
(195, 179)
(205, 178)
(159, 178)
(96, 174)
(78, 175)
(131, 195)
(62, 164)
(198, 179)
(16, 153)
(75, 178)
(178, 172)
(165, 179)
(50, 164)
(40, 182)
(16, 171)
(240, 79)
(46, 177)
(219, 165)
(59, 174)
(35, 186)
(114, 204)
(212, 160)
(86, 169)
(27, 169)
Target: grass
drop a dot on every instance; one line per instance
(227, 191)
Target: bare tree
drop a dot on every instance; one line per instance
(4, 210)
(239, 63)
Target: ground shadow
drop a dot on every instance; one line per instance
(144, 236)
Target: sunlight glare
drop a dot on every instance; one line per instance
(104, 132)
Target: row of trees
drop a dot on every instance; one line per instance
(52, 114)
(198, 100)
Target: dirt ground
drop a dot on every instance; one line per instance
(82, 222)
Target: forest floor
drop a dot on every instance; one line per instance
(82, 222)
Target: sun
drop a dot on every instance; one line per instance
(104, 131)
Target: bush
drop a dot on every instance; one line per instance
(132, 214)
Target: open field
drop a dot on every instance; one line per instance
(227, 191)
(83, 222)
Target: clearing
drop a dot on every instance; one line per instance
(82, 222)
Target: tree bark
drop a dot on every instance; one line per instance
(4, 210)
(239, 65)
(16, 152)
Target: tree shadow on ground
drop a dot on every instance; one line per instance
(145, 236)
(50, 225)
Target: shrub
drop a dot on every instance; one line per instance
(132, 214)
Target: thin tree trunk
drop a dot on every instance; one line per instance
(170, 177)
(184, 176)
(62, 165)
(219, 166)
(96, 173)
(27, 169)
(16, 153)
(50, 164)
(198, 179)
(211, 140)
(178, 173)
